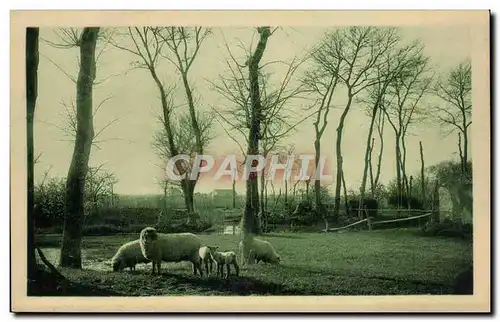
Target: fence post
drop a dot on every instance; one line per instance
(369, 223)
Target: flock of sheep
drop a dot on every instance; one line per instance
(156, 248)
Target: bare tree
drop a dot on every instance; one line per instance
(380, 122)
(321, 81)
(149, 45)
(75, 182)
(359, 50)
(403, 108)
(32, 58)
(422, 174)
(455, 90)
(69, 38)
(259, 108)
(396, 62)
(184, 45)
(99, 185)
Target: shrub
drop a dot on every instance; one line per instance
(412, 202)
(448, 228)
(369, 203)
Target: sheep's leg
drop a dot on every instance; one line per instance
(158, 267)
(251, 257)
(220, 269)
(235, 263)
(206, 267)
(228, 269)
(200, 268)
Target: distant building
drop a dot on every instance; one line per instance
(222, 193)
(222, 197)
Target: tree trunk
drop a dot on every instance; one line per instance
(367, 161)
(403, 162)
(265, 207)
(192, 113)
(460, 152)
(188, 192)
(286, 191)
(75, 182)
(422, 174)
(338, 151)
(370, 169)
(345, 189)
(380, 130)
(398, 172)
(234, 194)
(32, 58)
(250, 219)
(466, 140)
(317, 182)
(262, 201)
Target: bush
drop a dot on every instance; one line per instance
(412, 202)
(448, 228)
(369, 203)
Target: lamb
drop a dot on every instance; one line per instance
(206, 260)
(254, 250)
(128, 255)
(178, 247)
(225, 258)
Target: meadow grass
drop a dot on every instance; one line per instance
(391, 261)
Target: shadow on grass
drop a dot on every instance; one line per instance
(47, 285)
(409, 283)
(234, 285)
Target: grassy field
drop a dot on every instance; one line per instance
(393, 261)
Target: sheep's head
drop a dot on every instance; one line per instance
(212, 249)
(276, 259)
(118, 265)
(149, 234)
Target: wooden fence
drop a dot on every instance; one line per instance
(371, 223)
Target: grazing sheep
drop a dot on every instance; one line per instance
(179, 247)
(225, 258)
(254, 250)
(206, 260)
(128, 255)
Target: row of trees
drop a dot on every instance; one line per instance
(50, 196)
(366, 66)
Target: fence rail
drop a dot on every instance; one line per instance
(371, 223)
(341, 228)
(401, 219)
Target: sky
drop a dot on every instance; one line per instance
(131, 102)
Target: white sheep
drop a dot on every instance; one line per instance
(179, 247)
(128, 255)
(205, 254)
(254, 250)
(227, 259)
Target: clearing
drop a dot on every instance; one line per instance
(391, 261)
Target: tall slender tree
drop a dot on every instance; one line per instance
(75, 182)
(32, 36)
(455, 91)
